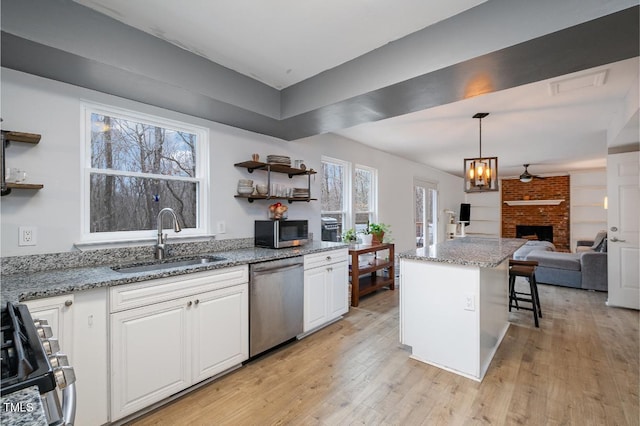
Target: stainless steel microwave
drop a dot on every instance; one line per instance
(281, 233)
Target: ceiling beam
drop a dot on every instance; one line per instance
(604, 40)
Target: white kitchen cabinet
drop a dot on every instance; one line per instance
(79, 322)
(196, 328)
(220, 331)
(149, 355)
(326, 288)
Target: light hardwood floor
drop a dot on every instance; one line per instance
(579, 368)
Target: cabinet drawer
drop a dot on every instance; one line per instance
(130, 296)
(325, 258)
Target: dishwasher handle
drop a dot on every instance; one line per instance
(279, 265)
(272, 269)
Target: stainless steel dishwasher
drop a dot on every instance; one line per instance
(276, 303)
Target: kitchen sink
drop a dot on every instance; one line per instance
(168, 263)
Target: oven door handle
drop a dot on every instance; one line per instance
(69, 404)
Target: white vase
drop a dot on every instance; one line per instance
(366, 239)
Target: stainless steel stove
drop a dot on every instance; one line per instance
(31, 357)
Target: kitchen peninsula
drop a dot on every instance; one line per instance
(454, 302)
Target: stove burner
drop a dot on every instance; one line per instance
(24, 362)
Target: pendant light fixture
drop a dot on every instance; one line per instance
(481, 173)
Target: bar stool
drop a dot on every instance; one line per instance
(526, 269)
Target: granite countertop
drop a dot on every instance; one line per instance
(21, 286)
(23, 407)
(468, 251)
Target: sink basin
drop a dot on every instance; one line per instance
(167, 264)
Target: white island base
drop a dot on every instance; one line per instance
(453, 316)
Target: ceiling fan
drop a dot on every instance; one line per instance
(526, 176)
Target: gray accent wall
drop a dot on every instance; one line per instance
(498, 45)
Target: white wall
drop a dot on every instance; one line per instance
(52, 109)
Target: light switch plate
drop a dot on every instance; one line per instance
(469, 302)
(221, 227)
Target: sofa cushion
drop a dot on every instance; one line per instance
(530, 246)
(553, 259)
(600, 239)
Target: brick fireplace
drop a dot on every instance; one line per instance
(529, 213)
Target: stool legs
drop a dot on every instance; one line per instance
(532, 297)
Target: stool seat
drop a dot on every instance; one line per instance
(526, 269)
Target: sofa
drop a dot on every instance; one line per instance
(586, 269)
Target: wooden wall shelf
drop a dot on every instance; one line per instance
(24, 185)
(533, 202)
(33, 138)
(7, 137)
(276, 168)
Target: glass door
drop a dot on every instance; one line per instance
(426, 213)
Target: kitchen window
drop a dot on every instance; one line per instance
(134, 166)
(348, 198)
(335, 198)
(365, 182)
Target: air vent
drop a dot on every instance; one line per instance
(580, 82)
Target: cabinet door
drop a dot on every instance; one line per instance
(58, 311)
(338, 290)
(220, 330)
(315, 298)
(150, 360)
(91, 356)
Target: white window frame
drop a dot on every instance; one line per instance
(433, 186)
(373, 200)
(201, 178)
(346, 192)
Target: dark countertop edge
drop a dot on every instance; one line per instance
(111, 278)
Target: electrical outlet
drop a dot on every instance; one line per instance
(221, 227)
(469, 302)
(27, 236)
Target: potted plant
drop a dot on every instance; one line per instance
(378, 230)
(366, 236)
(349, 236)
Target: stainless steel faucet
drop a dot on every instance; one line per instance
(162, 238)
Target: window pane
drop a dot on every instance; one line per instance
(332, 230)
(123, 203)
(362, 190)
(125, 145)
(332, 187)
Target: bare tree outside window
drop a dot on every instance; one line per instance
(363, 187)
(332, 198)
(136, 170)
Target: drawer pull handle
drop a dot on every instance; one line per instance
(189, 303)
(197, 301)
(328, 257)
(68, 303)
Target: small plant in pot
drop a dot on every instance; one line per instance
(349, 236)
(378, 230)
(366, 237)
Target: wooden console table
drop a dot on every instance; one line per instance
(365, 280)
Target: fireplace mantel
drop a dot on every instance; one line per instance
(533, 202)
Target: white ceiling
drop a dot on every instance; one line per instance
(526, 124)
(282, 42)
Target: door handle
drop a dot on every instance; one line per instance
(615, 240)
